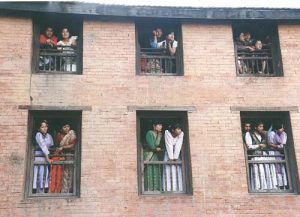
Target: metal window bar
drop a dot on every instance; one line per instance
(59, 59)
(171, 173)
(157, 61)
(49, 185)
(269, 172)
(255, 63)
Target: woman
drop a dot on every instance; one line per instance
(66, 139)
(152, 149)
(67, 45)
(43, 142)
(47, 42)
(276, 141)
(172, 175)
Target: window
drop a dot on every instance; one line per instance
(159, 47)
(57, 44)
(163, 158)
(61, 145)
(269, 152)
(257, 49)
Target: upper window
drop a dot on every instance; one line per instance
(54, 153)
(57, 44)
(159, 48)
(257, 49)
(270, 158)
(163, 153)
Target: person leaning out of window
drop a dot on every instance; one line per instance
(47, 42)
(170, 44)
(68, 46)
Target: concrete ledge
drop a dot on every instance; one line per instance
(162, 108)
(53, 108)
(275, 109)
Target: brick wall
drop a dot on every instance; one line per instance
(109, 161)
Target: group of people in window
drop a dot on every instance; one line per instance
(252, 55)
(164, 47)
(47, 152)
(164, 147)
(57, 55)
(266, 146)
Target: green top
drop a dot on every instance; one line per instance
(153, 139)
(152, 142)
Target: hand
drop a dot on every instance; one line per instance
(262, 145)
(251, 48)
(50, 161)
(158, 149)
(154, 33)
(273, 146)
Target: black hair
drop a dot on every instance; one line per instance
(277, 126)
(65, 123)
(156, 122)
(258, 123)
(174, 127)
(47, 27)
(43, 121)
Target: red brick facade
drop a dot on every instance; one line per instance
(108, 160)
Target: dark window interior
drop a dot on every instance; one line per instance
(264, 62)
(59, 59)
(158, 61)
(63, 160)
(269, 119)
(145, 120)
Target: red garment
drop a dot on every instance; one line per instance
(56, 175)
(43, 39)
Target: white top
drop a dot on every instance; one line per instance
(248, 140)
(173, 145)
(45, 142)
(164, 44)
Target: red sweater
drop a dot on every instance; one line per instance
(43, 39)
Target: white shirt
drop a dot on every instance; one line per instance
(173, 145)
(248, 140)
(164, 44)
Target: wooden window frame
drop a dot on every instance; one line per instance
(48, 115)
(37, 24)
(179, 51)
(276, 51)
(291, 163)
(186, 165)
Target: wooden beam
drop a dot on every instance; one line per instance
(152, 11)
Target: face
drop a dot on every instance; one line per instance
(159, 32)
(247, 127)
(171, 37)
(281, 130)
(49, 32)
(177, 131)
(66, 128)
(65, 33)
(260, 128)
(258, 45)
(247, 37)
(157, 127)
(242, 37)
(43, 128)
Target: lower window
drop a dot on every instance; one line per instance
(163, 153)
(54, 153)
(270, 158)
